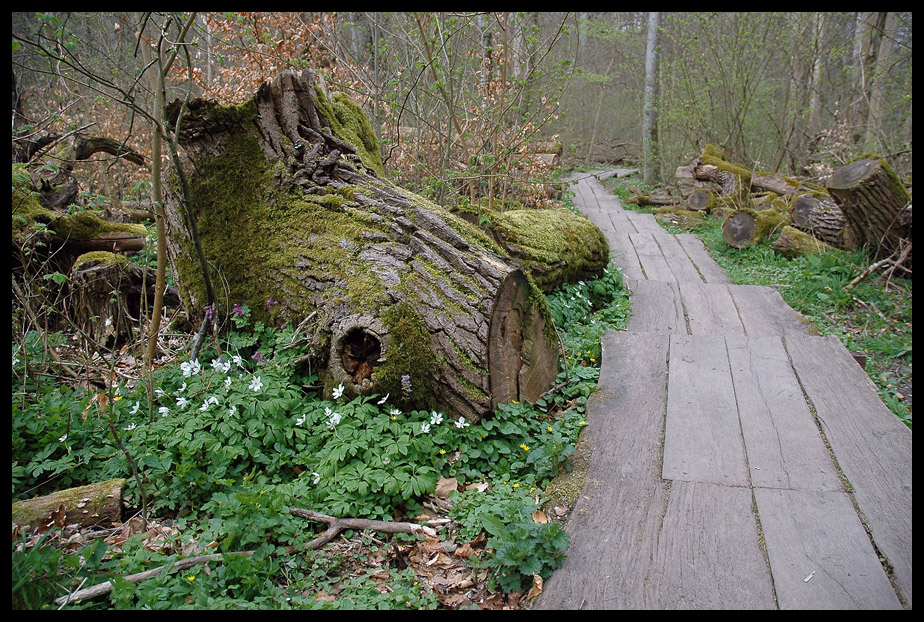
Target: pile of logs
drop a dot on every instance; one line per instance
(864, 204)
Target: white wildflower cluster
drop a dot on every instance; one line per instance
(333, 418)
(190, 368)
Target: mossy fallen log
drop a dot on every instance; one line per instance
(733, 180)
(404, 297)
(795, 243)
(554, 246)
(683, 218)
(700, 200)
(93, 504)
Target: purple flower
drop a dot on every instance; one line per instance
(257, 357)
(209, 311)
(271, 303)
(237, 310)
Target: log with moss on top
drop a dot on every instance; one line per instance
(875, 204)
(404, 297)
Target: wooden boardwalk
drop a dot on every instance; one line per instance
(737, 460)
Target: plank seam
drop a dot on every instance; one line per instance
(755, 510)
(848, 487)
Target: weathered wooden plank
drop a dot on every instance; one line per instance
(620, 221)
(622, 253)
(614, 523)
(702, 440)
(650, 257)
(710, 309)
(708, 555)
(820, 555)
(871, 446)
(677, 259)
(784, 447)
(645, 222)
(696, 251)
(763, 312)
(656, 307)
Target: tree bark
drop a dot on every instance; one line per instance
(651, 156)
(876, 205)
(88, 505)
(795, 243)
(822, 218)
(291, 209)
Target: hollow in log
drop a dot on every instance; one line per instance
(295, 219)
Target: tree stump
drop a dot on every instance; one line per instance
(876, 205)
(106, 296)
(404, 297)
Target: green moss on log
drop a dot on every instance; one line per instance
(555, 246)
(27, 210)
(795, 243)
(100, 257)
(714, 156)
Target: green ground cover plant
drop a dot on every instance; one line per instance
(227, 443)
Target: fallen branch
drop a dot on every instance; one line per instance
(336, 525)
(105, 588)
(892, 264)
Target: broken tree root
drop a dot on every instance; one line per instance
(336, 525)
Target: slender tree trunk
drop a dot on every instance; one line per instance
(879, 78)
(650, 149)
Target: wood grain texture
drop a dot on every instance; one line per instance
(872, 447)
(708, 555)
(705, 264)
(710, 309)
(763, 312)
(820, 555)
(650, 257)
(702, 436)
(656, 307)
(784, 446)
(615, 521)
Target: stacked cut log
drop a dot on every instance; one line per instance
(864, 205)
(401, 296)
(877, 205)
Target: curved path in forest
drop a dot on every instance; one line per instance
(736, 460)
